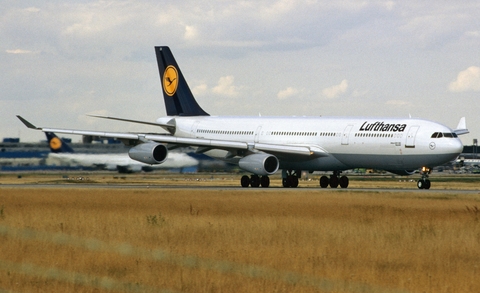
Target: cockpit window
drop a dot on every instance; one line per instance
(444, 134)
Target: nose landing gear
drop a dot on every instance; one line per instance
(424, 182)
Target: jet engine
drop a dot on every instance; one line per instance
(402, 172)
(260, 164)
(149, 153)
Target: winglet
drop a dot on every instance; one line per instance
(461, 127)
(28, 124)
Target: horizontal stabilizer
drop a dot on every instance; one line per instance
(167, 127)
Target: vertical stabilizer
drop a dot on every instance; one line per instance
(179, 100)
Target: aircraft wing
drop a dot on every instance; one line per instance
(207, 143)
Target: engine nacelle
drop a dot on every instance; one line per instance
(149, 153)
(402, 172)
(260, 164)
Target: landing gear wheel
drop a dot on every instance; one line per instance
(290, 178)
(245, 181)
(343, 182)
(290, 181)
(333, 181)
(324, 181)
(423, 184)
(294, 182)
(265, 181)
(255, 181)
(427, 184)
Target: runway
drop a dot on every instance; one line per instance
(234, 188)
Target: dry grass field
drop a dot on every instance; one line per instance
(247, 240)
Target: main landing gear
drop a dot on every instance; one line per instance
(290, 178)
(334, 181)
(424, 182)
(255, 181)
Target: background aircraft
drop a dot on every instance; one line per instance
(63, 154)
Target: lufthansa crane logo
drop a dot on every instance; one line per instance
(55, 143)
(170, 80)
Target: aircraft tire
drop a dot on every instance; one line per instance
(293, 181)
(333, 181)
(324, 181)
(343, 182)
(285, 182)
(245, 181)
(420, 184)
(255, 181)
(265, 181)
(427, 184)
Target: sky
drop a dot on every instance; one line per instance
(61, 60)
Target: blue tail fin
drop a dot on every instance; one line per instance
(179, 100)
(57, 145)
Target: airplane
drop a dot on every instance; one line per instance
(62, 153)
(264, 145)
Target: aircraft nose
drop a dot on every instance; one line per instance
(456, 146)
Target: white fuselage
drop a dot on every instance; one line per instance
(381, 143)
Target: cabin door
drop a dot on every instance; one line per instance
(257, 133)
(412, 132)
(346, 134)
(194, 128)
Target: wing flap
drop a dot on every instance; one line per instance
(291, 149)
(92, 133)
(221, 144)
